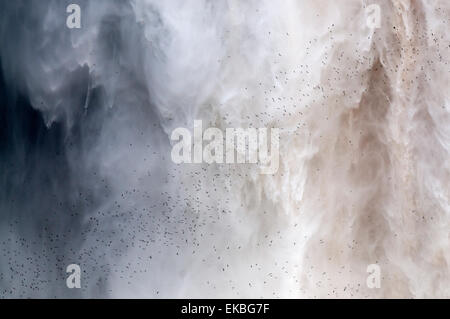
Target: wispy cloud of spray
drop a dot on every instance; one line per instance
(86, 175)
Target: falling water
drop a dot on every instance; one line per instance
(86, 175)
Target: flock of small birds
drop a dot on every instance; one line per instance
(147, 226)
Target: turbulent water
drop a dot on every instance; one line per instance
(86, 175)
